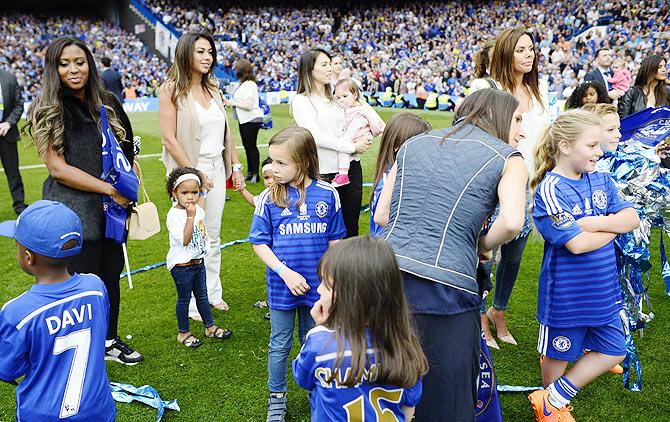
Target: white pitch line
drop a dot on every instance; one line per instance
(41, 166)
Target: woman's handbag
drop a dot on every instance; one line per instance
(143, 221)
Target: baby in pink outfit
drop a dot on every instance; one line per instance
(361, 121)
(622, 78)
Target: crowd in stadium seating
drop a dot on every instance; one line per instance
(24, 37)
(428, 45)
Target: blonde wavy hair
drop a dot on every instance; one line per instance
(568, 126)
(45, 116)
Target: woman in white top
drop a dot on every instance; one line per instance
(513, 69)
(313, 108)
(195, 133)
(249, 115)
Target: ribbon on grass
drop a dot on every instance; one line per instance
(126, 393)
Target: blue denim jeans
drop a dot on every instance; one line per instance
(282, 324)
(191, 279)
(506, 272)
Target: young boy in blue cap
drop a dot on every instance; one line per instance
(54, 333)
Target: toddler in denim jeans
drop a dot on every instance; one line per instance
(188, 247)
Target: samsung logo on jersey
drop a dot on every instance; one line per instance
(302, 228)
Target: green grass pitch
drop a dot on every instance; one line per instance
(226, 381)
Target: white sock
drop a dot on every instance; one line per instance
(555, 398)
(343, 171)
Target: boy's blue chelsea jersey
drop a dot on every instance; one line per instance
(54, 334)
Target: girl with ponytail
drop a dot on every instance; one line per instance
(579, 213)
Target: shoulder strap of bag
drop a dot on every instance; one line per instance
(141, 179)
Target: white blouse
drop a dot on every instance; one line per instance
(247, 92)
(325, 120)
(534, 121)
(212, 129)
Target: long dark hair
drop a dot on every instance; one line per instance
(179, 73)
(45, 117)
(647, 73)
(398, 130)
(502, 63)
(490, 110)
(305, 68)
(368, 298)
(575, 99)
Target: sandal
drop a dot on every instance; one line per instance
(192, 343)
(223, 306)
(219, 333)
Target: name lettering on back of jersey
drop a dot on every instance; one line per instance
(70, 318)
(324, 374)
(302, 228)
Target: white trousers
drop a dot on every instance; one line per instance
(215, 201)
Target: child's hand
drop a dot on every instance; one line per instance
(319, 313)
(295, 282)
(207, 184)
(591, 224)
(190, 210)
(361, 145)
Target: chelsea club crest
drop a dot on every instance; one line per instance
(599, 199)
(321, 209)
(561, 344)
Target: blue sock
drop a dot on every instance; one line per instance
(561, 392)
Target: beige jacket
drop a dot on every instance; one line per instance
(188, 134)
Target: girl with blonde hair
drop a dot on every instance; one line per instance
(579, 213)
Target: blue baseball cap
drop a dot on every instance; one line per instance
(44, 228)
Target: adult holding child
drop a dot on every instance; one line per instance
(514, 69)
(195, 133)
(434, 230)
(64, 122)
(314, 109)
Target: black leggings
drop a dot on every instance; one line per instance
(249, 134)
(451, 344)
(351, 196)
(103, 258)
